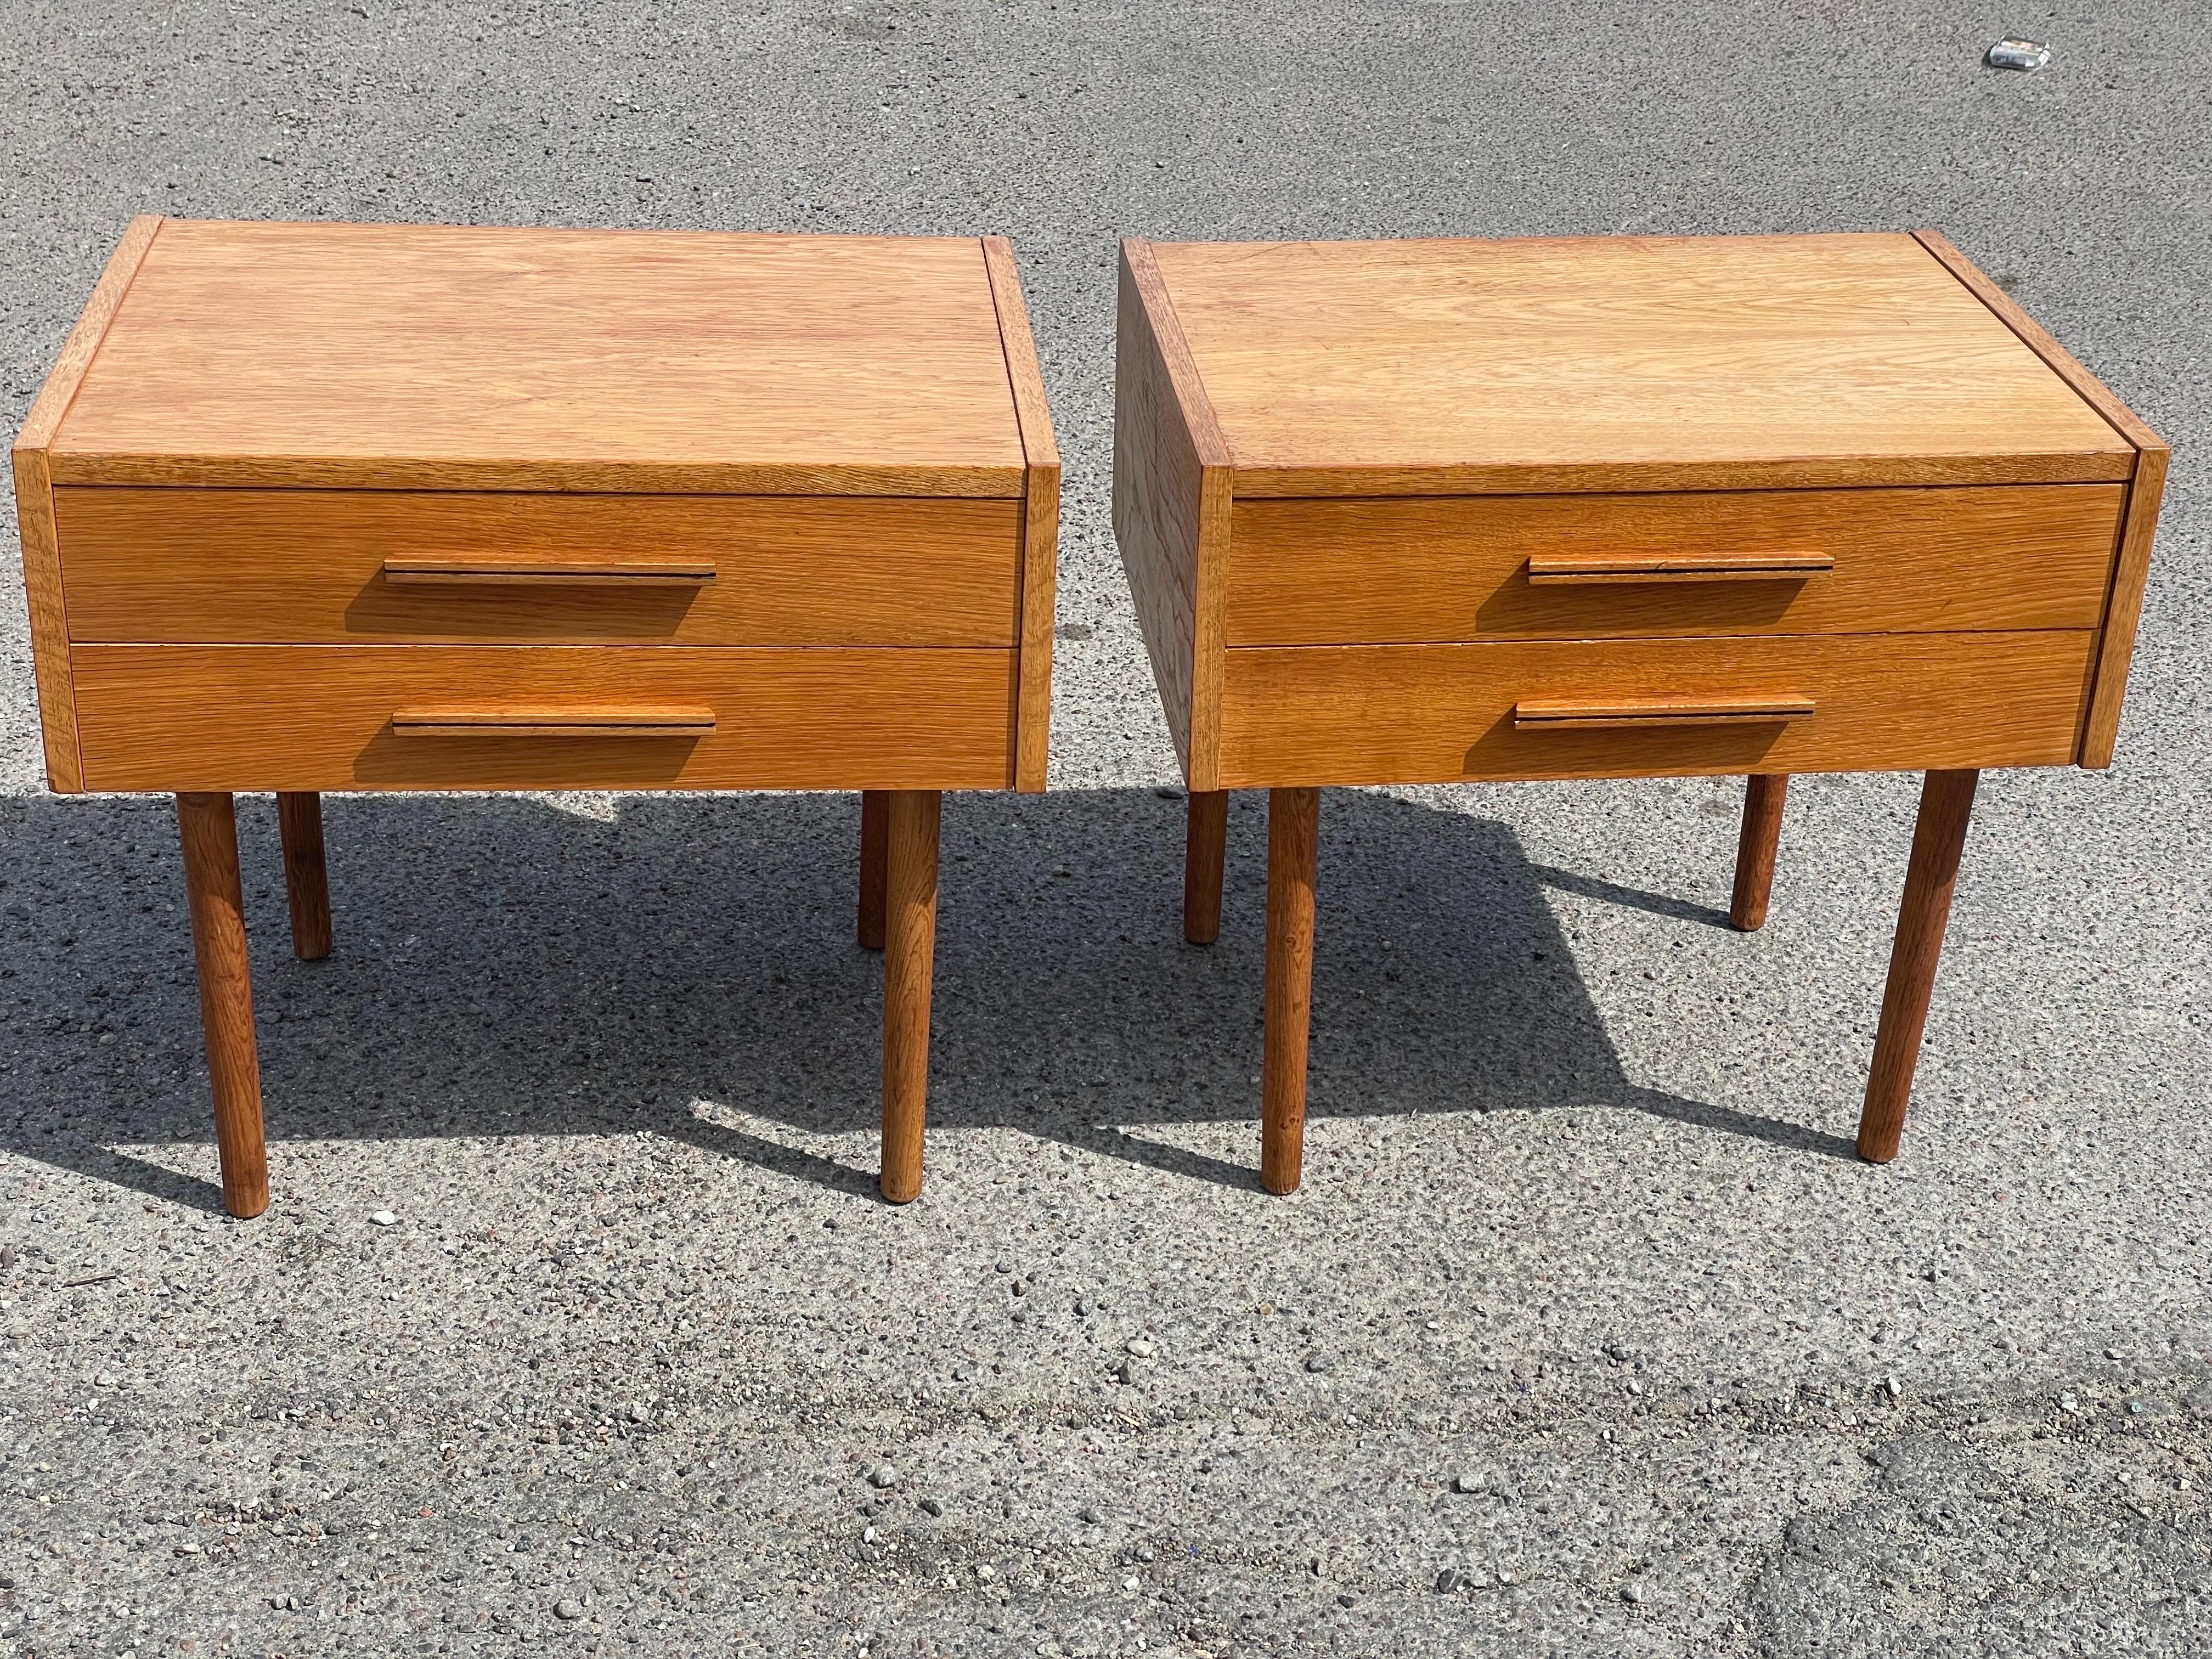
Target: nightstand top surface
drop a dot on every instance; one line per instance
(428, 356)
(1616, 362)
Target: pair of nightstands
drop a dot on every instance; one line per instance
(312, 507)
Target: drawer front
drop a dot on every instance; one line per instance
(337, 566)
(1439, 713)
(1409, 571)
(516, 717)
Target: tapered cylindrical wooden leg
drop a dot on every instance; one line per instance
(909, 955)
(1293, 837)
(1947, 801)
(875, 839)
(1205, 849)
(1762, 798)
(306, 882)
(209, 829)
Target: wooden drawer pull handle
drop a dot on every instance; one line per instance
(1561, 568)
(554, 721)
(1618, 714)
(425, 570)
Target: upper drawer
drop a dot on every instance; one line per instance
(313, 567)
(1355, 572)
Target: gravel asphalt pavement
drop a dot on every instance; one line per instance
(575, 1324)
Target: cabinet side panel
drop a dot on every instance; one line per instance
(1040, 521)
(1157, 486)
(2101, 725)
(35, 507)
(42, 589)
(1033, 699)
(2116, 649)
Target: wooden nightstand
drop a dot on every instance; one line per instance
(309, 507)
(1632, 507)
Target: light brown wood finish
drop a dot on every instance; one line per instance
(505, 570)
(909, 947)
(307, 877)
(361, 355)
(1293, 846)
(311, 566)
(2033, 335)
(241, 717)
(1415, 570)
(1756, 847)
(1634, 570)
(1443, 714)
(1736, 363)
(44, 418)
(208, 829)
(1947, 802)
(1619, 714)
(1623, 507)
(553, 719)
(35, 507)
(1205, 854)
(43, 593)
(1041, 516)
(2101, 731)
(875, 854)
(453, 509)
(1171, 503)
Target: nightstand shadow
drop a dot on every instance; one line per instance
(686, 965)
(1611, 892)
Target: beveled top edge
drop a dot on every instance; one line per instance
(253, 353)
(442, 227)
(1395, 404)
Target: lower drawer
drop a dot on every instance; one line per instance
(1436, 713)
(527, 717)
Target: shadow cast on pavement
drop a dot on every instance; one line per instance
(521, 965)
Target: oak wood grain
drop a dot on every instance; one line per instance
(1757, 844)
(208, 829)
(1205, 854)
(1458, 568)
(2038, 339)
(1433, 713)
(554, 719)
(35, 507)
(1040, 521)
(66, 377)
(320, 717)
(312, 567)
(1634, 568)
(307, 875)
(1171, 482)
(461, 357)
(1628, 714)
(1293, 838)
(1939, 836)
(1664, 363)
(2100, 732)
(875, 852)
(909, 947)
(441, 570)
